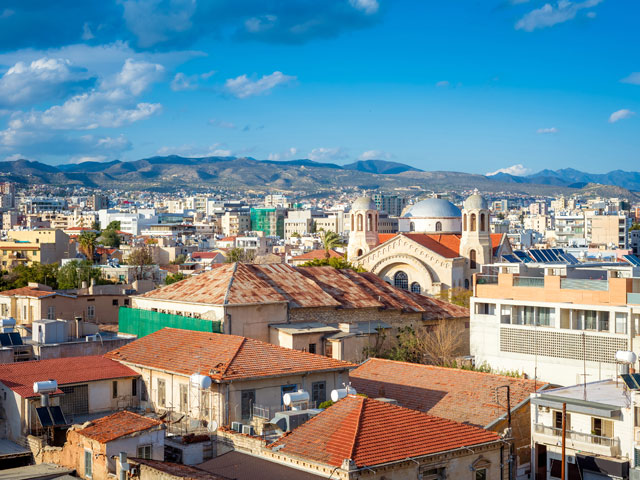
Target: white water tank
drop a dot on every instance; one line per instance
(625, 356)
(48, 386)
(201, 381)
(341, 393)
(295, 398)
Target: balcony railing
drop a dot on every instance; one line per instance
(633, 298)
(528, 282)
(584, 284)
(486, 279)
(612, 442)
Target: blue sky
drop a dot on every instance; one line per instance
(472, 86)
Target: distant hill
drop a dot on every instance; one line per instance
(166, 173)
(569, 177)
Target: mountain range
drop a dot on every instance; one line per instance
(304, 175)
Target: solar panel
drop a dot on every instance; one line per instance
(44, 416)
(57, 416)
(632, 380)
(16, 339)
(511, 259)
(5, 340)
(632, 259)
(537, 256)
(522, 256)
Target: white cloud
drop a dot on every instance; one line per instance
(323, 154)
(88, 158)
(182, 82)
(260, 24)
(517, 170)
(243, 87)
(549, 15)
(286, 155)
(195, 151)
(547, 130)
(443, 84)
(41, 79)
(135, 76)
(87, 34)
(222, 124)
(620, 115)
(375, 155)
(14, 157)
(367, 6)
(633, 78)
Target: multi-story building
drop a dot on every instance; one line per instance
(29, 246)
(608, 230)
(570, 230)
(602, 425)
(538, 208)
(556, 322)
(98, 202)
(235, 223)
(276, 200)
(392, 204)
(269, 220)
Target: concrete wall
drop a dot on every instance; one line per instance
(79, 349)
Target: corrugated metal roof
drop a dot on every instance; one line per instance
(340, 287)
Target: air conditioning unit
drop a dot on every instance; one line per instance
(248, 429)
(236, 427)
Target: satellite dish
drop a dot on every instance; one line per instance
(213, 426)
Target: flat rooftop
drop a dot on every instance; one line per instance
(604, 392)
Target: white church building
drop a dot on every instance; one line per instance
(438, 246)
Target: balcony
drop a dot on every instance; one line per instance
(528, 282)
(633, 298)
(584, 284)
(585, 442)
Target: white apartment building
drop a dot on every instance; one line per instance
(556, 326)
(602, 430)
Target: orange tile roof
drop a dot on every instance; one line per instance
(222, 357)
(459, 395)
(28, 292)
(21, 376)
(317, 254)
(120, 424)
(371, 432)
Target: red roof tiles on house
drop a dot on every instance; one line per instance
(222, 357)
(21, 376)
(459, 395)
(318, 254)
(371, 432)
(120, 424)
(28, 292)
(446, 245)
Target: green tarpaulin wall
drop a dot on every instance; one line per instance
(143, 322)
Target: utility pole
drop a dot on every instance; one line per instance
(511, 469)
(563, 474)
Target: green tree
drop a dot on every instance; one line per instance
(330, 240)
(21, 275)
(240, 255)
(88, 241)
(176, 277)
(110, 238)
(335, 262)
(72, 274)
(115, 225)
(179, 260)
(635, 226)
(141, 257)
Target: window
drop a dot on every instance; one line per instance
(486, 308)
(144, 397)
(412, 227)
(248, 398)
(144, 451)
(24, 312)
(51, 313)
(328, 349)
(134, 387)
(590, 320)
(126, 302)
(184, 397)
(464, 222)
(427, 473)
(312, 348)
(472, 260)
(369, 222)
(318, 392)
(5, 310)
(114, 389)
(91, 311)
(481, 474)
(438, 226)
(401, 280)
(637, 418)
(621, 322)
(162, 394)
(557, 421)
(88, 463)
(482, 222)
(601, 428)
(415, 287)
(114, 302)
(359, 222)
(545, 316)
(505, 314)
(603, 324)
(473, 222)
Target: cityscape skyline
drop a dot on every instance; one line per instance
(514, 86)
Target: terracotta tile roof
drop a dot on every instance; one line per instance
(222, 357)
(371, 432)
(205, 254)
(459, 395)
(224, 284)
(21, 376)
(178, 470)
(228, 239)
(120, 424)
(28, 292)
(446, 244)
(340, 287)
(19, 246)
(318, 254)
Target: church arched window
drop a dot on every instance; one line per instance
(352, 221)
(412, 227)
(369, 222)
(401, 280)
(438, 226)
(464, 222)
(415, 287)
(482, 222)
(359, 253)
(473, 222)
(472, 259)
(359, 222)
(375, 223)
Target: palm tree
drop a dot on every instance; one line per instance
(88, 241)
(330, 240)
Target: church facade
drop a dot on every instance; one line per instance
(438, 246)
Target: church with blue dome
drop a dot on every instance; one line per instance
(438, 245)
